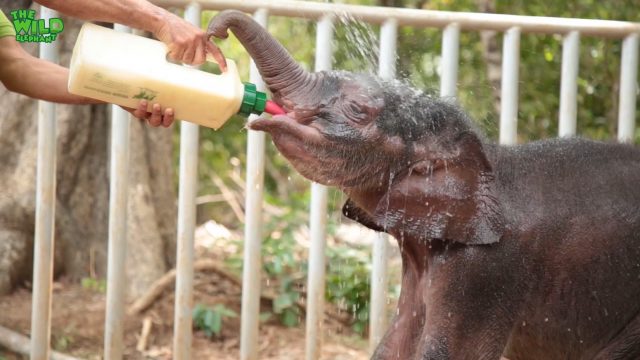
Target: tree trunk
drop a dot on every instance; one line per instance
(83, 139)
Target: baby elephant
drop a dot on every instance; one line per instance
(528, 251)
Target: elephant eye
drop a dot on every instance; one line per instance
(354, 112)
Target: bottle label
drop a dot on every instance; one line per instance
(100, 83)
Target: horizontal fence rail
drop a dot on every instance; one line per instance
(424, 18)
(452, 23)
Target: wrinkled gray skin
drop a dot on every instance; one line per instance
(530, 251)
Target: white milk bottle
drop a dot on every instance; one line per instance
(123, 69)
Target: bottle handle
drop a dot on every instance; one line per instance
(214, 54)
(222, 61)
(215, 57)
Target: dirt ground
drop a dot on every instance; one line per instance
(78, 314)
(78, 321)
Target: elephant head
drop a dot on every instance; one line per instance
(398, 153)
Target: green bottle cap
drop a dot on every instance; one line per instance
(253, 101)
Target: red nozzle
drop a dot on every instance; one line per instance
(273, 108)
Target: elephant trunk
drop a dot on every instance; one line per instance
(281, 73)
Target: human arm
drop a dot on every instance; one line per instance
(186, 43)
(22, 73)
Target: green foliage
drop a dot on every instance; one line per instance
(210, 320)
(284, 305)
(93, 284)
(281, 263)
(61, 343)
(348, 282)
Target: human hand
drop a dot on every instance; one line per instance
(187, 43)
(156, 117)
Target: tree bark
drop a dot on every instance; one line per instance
(83, 139)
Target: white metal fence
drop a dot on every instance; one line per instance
(390, 19)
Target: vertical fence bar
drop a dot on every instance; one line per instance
(45, 214)
(253, 226)
(117, 253)
(449, 62)
(318, 219)
(379, 274)
(628, 80)
(569, 84)
(182, 323)
(509, 87)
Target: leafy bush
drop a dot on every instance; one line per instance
(209, 320)
(93, 284)
(348, 283)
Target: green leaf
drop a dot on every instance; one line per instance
(289, 318)
(265, 316)
(277, 266)
(282, 302)
(216, 325)
(224, 311)
(359, 327)
(198, 312)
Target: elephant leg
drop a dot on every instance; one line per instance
(487, 345)
(625, 345)
(472, 317)
(456, 328)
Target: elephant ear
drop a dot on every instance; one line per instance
(355, 213)
(450, 195)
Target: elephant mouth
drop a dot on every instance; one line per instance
(290, 125)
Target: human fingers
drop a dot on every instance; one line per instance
(215, 51)
(141, 111)
(189, 53)
(155, 119)
(200, 54)
(167, 119)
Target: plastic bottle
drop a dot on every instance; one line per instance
(123, 69)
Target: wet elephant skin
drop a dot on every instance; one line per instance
(529, 251)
